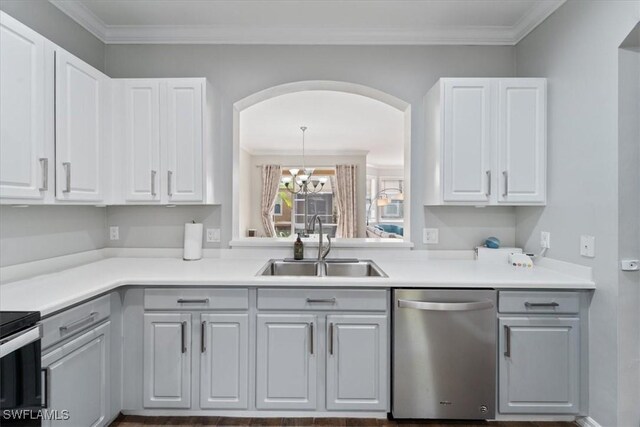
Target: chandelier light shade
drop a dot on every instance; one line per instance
(302, 179)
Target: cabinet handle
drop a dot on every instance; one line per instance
(67, 174)
(73, 325)
(506, 183)
(311, 337)
(44, 164)
(540, 304)
(193, 301)
(321, 301)
(203, 345)
(45, 387)
(169, 179)
(331, 338)
(488, 192)
(507, 341)
(153, 183)
(183, 326)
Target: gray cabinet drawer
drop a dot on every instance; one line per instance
(76, 319)
(196, 299)
(322, 299)
(532, 302)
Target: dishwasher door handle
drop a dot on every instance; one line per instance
(445, 306)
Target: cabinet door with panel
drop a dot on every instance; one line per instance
(522, 140)
(184, 139)
(23, 160)
(286, 376)
(224, 361)
(539, 365)
(141, 153)
(167, 360)
(82, 119)
(467, 134)
(77, 379)
(357, 365)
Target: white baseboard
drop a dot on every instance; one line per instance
(242, 413)
(587, 422)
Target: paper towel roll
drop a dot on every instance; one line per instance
(192, 241)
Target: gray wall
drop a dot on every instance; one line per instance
(51, 22)
(28, 234)
(406, 72)
(576, 48)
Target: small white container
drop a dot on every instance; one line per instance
(495, 256)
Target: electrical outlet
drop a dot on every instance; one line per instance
(588, 246)
(630, 264)
(545, 239)
(430, 236)
(114, 232)
(213, 235)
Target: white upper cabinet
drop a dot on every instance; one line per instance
(24, 160)
(486, 142)
(82, 124)
(140, 109)
(521, 140)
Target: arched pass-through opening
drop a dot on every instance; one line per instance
(320, 85)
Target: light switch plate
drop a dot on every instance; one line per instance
(114, 232)
(588, 246)
(430, 236)
(545, 240)
(213, 235)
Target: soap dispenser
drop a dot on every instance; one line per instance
(298, 249)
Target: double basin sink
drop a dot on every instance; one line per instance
(327, 268)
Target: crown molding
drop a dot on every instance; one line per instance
(173, 34)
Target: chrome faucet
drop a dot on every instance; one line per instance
(322, 251)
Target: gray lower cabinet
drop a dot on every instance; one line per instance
(539, 365)
(357, 362)
(224, 360)
(167, 360)
(77, 378)
(287, 361)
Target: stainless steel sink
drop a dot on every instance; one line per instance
(334, 268)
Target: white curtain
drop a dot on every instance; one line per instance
(346, 190)
(270, 185)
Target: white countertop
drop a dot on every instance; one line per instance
(49, 293)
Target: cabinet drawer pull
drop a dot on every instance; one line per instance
(77, 323)
(203, 329)
(507, 341)
(506, 183)
(541, 304)
(331, 338)
(321, 301)
(153, 183)
(45, 387)
(311, 337)
(183, 343)
(44, 164)
(169, 179)
(488, 192)
(193, 301)
(67, 175)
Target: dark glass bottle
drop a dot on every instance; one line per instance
(298, 248)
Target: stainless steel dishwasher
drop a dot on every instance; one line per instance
(444, 354)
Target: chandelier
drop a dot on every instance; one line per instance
(301, 180)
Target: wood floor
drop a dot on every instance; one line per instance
(136, 421)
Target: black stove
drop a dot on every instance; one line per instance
(15, 321)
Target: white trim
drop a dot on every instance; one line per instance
(587, 422)
(337, 152)
(194, 34)
(243, 413)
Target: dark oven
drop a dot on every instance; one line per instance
(20, 371)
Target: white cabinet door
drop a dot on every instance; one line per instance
(357, 362)
(286, 362)
(539, 365)
(78, 379)
(167, 360)
(522, 140)
(184, 140)
(23, 162)
(467, 134)
(224, 361)
(81, 119)
(141, 153)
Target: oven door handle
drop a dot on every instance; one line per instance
(21, 339)
(445, 306)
